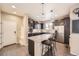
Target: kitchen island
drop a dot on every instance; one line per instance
(34, 44)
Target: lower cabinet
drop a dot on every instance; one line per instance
(31, 47)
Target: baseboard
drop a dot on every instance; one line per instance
(10, 44)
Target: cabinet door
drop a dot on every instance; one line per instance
(66, 30)
(31, 47)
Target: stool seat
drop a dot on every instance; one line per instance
(47, 47)
(46, 42)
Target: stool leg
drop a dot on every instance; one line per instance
(42, 50)
(54, 48)
(48, 50)
(51, 50)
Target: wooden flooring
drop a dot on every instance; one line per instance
(14, 50)
(62, 50)
(17, 50)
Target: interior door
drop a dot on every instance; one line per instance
(9, 32)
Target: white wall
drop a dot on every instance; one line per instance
(24, 31)
(74, 37)
(19, 23)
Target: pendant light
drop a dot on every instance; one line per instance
(43, 13)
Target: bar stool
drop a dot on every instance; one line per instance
(54, 39)
(47, 48)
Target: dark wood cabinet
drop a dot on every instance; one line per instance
(42, 25)
(66, 30)
(66, 23)
(31, 47)
(59, 22)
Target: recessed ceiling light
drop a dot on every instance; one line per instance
(13, 6)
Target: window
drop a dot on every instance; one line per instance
(48, 25)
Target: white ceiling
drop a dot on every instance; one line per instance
(34, 9)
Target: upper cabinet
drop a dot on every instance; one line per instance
(59, 22)
(32, 24)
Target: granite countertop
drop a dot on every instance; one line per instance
(40, 38)
(35, 34)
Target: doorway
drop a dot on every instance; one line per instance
(8, 29)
